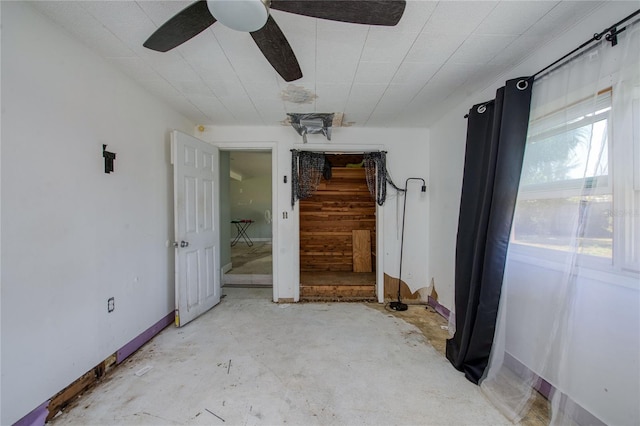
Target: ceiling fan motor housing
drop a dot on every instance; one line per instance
(240, 15)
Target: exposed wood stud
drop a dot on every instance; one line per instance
(66, 396)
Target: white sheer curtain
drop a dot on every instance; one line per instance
(569, 317)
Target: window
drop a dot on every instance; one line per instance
(567, 199)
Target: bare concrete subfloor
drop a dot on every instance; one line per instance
(250, 361)
(435, 330)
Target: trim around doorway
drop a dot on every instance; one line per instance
(264, 146)
(346, 149)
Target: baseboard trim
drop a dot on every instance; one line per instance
(135, 344)
(580, 415)
(37, 417)
(48, 410)
(443, 311)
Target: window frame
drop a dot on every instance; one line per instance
(626, 207)
(610, 184)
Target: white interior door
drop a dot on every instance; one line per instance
(196, 194)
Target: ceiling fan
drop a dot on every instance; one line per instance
(253, 16)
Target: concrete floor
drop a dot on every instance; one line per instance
(250, 361)
(435, 329)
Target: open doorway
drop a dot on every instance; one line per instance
(338, 235)
(246, 218)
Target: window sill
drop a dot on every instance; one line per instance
(598, 269)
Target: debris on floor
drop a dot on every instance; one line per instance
(286, 367)
(209, 411)
(144, 370)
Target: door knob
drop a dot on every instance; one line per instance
(184, 244)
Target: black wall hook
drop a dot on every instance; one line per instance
(109, 158)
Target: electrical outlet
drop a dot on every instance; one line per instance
(111, 304)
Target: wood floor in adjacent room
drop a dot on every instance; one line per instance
(255, 259)
(251, 265)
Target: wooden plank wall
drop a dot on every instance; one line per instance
(340, 205)
(361, 250)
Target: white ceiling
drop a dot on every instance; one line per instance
(378, 76)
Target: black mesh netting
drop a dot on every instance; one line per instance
(306, 172)
(307, 169)
(375, 167)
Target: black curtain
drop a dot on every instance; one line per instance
(496, 135)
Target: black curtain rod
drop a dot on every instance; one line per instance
(612, 36)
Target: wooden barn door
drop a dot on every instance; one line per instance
(338, 236)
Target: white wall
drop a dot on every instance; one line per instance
(604, 368)
(73, 236)
(446, 168)
(249, 198)
(408, 156)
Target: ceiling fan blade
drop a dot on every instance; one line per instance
(369, 12)
(188, 23)
(275, 47)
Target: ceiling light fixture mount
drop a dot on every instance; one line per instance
(312, 123)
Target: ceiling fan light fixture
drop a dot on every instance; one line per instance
(240, 15)
(253, 16)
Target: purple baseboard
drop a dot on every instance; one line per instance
(439, 308)
(35, 418)
(135, 344)
(38, 416)
(578, 414)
